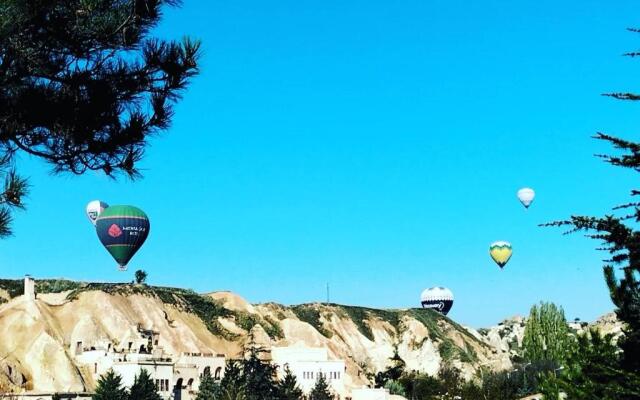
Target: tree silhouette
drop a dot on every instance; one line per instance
(83, 86)
(143, 388)
(110, 387)
(321, 390)
(288, 388)
(619, 236)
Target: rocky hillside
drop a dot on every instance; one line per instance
(37, 337)
(506, 337)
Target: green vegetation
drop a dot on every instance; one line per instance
(141, 276)
(110, 387)
(447, 350)
(247, 321)
(546, 335)
(310, 314)
(321, 389)
(618, 234)
(15, 287)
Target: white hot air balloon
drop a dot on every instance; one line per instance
(526, 195)
(94, 209)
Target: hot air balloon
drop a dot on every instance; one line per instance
(438, 298)
(122, 230)
(526, 195)
(500, 252)
(94, 209)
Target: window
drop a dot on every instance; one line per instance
(166, 384)
(95, 368)
(157, 384)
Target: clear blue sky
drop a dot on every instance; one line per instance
(375, 145)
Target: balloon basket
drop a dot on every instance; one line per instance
(122, 268)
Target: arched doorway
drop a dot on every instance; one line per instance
(207, 371)
(177, 390)
(216, 376)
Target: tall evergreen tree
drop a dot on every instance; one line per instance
(288, 388)
(110, 387)
(593, 372)
(321, 389)
(208, 388)
(619, 236)
(83, 86)
(546, 335)
(143, 387)
(259, 374)
(232, 385)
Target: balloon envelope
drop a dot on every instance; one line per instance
(122, 231)
(438, 298)
(526, 195)
(500, 252)
(94, 209)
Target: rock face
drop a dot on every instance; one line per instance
(39, 338)
(506, 337)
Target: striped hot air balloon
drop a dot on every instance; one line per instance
(438, 298)
(500, 252)
(122, 231)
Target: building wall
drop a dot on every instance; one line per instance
(160, 372)
(370, 394)
(306, 363)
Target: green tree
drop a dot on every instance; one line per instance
(288, 388)
(143, 387)
(321, 389)
(110, 387)
(83, 86)
(395, 387)
(451, 382)
(393, 372)
(208, 388)
(419, 386)
(619, 235)
(259, 375)
(232, 384)
(141, 276)
(546, 335)
(593, 371)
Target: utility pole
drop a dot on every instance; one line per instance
(327, 292)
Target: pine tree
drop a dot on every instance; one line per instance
(593, 371)
(546, 335)
(288, 388)
(321, 390)
(143, 387)
(83, 86)
(110, 387)
(618, 233)
(208, 388)
(259, 375)
(232, 385)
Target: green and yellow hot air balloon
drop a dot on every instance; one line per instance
(500, 252)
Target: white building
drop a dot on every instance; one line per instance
(161, 372)
(176, 377)
(370, 394)
(306, 363)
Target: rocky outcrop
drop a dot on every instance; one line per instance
(39, 339)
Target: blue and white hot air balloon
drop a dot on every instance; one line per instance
(438, 298)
